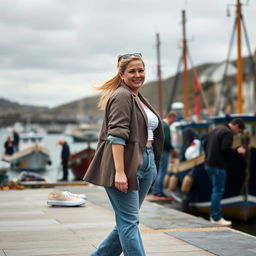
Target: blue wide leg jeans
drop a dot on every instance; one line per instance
(125, 237)
(218, 178)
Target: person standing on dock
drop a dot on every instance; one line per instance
(16, 140)
(217, 148)
(128, 154)
(65, 153)
(168, 149)
(8, 146)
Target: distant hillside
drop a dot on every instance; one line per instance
(10, 106)
(12, 112)
(85, 107)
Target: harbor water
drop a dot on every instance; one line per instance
(54, 172)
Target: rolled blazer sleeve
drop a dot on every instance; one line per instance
(116, 140)
(119, 115)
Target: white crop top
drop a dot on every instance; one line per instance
(152, 123)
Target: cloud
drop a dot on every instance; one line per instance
(55, 51)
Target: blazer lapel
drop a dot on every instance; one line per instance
(137, 102)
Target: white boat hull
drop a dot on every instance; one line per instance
(34, 158)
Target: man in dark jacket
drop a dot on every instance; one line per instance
(65, 153)
(217, 147)
(168, 148)
(16, 140)
(8, 145)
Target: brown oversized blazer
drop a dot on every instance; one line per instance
(124, 118)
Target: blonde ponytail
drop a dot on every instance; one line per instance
(107, 90)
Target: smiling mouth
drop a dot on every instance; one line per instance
(137, 81)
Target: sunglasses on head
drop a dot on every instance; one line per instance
(129, 55)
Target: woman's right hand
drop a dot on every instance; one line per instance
(121, 182)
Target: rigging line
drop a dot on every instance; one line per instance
(174, 85)
(252, 66)
(246, 38)
(200, 86)
(224, 79)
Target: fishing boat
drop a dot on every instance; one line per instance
(190, 185)
(85, 133)
(188, 181)
(32, 156)
(84, 136)
(79, 162)
(4, 167)
(54, 129)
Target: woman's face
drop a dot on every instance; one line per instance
(134, 75)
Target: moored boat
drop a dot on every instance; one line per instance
(85, 132)
(84, 136)
(32, 156)
(4, 167)
(239, 199)
(190, 184)
(54, 129)
(79, 162)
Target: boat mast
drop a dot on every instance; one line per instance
(239, 60)
(159, 81)
(184, 59)
(185, 71)
(238, 25)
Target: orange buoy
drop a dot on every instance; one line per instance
(187, 183)
(173, 181)
(166, 180)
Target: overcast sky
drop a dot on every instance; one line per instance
(56, 51)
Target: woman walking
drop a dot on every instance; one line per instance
(127, 155)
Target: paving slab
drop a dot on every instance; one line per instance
(194, 230)
(28, 227)
(221, 242)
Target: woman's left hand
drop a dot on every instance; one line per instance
(121, 182)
